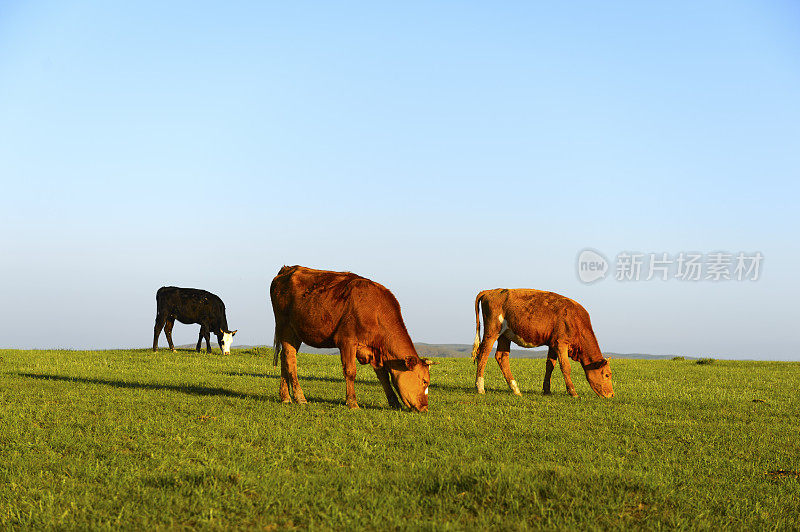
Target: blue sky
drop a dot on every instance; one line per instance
(438, 148)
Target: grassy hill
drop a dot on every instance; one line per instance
(101, 439)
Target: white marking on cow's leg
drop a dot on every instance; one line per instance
(479, 385)
(514, 387)
(500, 318)
(227, 339)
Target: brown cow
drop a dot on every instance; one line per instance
(358, 316)
(531, 318)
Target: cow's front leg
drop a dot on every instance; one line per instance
(563, 361)
(168, 332)
(348, 353)
(502, 357)
(383, 377)
(550, 363)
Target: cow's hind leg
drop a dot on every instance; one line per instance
(168, 331)
(160, 319)
(563, 361)
(491, 333)
(200, 338)
(502, 357)
(283, 387)
(383, 376)
(208, 339)
(289, 372)
(348, 353)
(552, 356)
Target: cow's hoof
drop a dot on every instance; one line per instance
(517, 393)
(353, 406)
(547, 392)
(174, 350)
(286, 401)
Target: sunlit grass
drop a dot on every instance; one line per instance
(95, 439)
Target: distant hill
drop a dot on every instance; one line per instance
(460, 351)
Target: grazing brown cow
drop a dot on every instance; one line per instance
(356, 315)
(531, 318)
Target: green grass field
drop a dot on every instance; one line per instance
(101, 439)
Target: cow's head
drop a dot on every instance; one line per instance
(412, 377)
(599, 376)
(227, 340)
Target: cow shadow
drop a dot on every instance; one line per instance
(312, 399)
(300, 377)
(189, 389)
(468, 388)
(336, 402)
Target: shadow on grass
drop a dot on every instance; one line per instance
(188, 389)
(336, 402)
(301, 377)
(434, 386)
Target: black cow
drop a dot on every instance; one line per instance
(190, 305)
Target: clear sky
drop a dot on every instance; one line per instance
(440, 148)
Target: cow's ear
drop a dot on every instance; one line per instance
(411, 361)
(428, 362)
(233, 333)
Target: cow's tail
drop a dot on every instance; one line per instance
(276, 349)
(477, 325)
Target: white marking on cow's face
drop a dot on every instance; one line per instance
(227, 340)
(426, 390)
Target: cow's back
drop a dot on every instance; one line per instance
(322, 306)
(544, 318)
(191, 305)
(543, 306)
